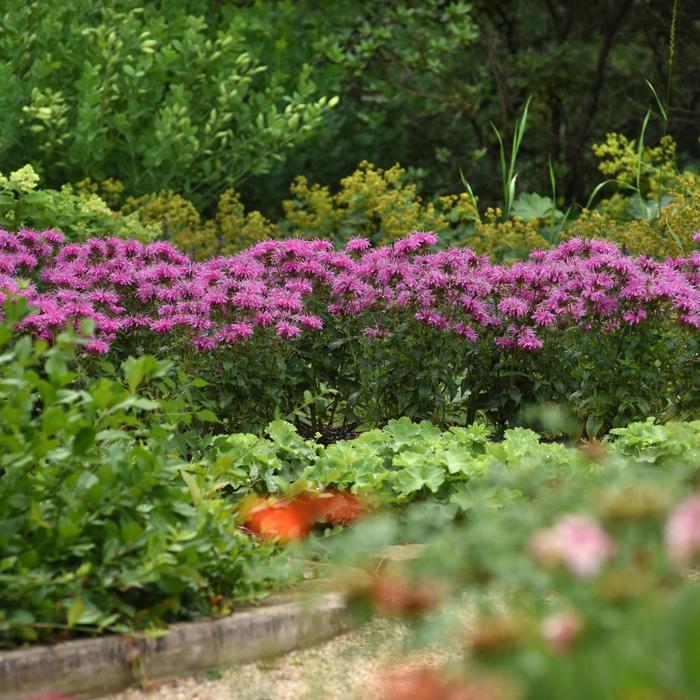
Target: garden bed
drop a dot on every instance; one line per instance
(93, 667)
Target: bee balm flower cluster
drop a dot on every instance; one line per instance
(284, 288)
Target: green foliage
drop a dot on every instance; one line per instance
(523, 620)
(421, 84)
(407, 461)
(657, 215)
(156, 99)
(79, 214)
(100, 530)
(654, 443)
(403, 461)
(117, 516)
(179, 100)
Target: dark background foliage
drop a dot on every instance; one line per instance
(419, 83)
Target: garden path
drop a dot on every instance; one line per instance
(348, 667)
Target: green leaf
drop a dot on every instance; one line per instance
(53, 420)
(110, 435)
(207, 416)
(457, 460)
(593, 425)
(75, 611)
(56, 367)
(412, 479)
(192, 485)
(463, 498)
(83, 440)
(134, 371)
(534, 206)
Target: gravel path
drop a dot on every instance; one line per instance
(346, 668)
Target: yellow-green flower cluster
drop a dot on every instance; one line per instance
(372, 202)
(23, 180)
(231, 228)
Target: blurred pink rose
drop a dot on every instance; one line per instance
(576, 541)
(683, 531)
(562, 629)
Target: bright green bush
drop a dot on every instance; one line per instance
(102, 527)
(158, 98)
(78, 212)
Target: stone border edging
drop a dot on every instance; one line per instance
(88, 668)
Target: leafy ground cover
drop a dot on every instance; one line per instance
(581, 577)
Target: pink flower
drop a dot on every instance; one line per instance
(682, 533)
(234, 333)
(376, 332)
(97, 346)
(300, 283)
(634, 317)
(504, 341)
(527, 340)
(512, 306)
(203, 343)
(52, 236)
(357, 245)
(263, 318)
(543, 316)
(562, 629)
(288, 330)
(310, 322)
(465, 331)
(576, 542)
(432, 318)
(162, 325)
(417, 239)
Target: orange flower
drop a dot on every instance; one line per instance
(293, 519)
(429, 684)
(338, 507)
(415, 684)
(284, 521)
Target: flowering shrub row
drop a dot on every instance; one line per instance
(389, 331)
(290, 286)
